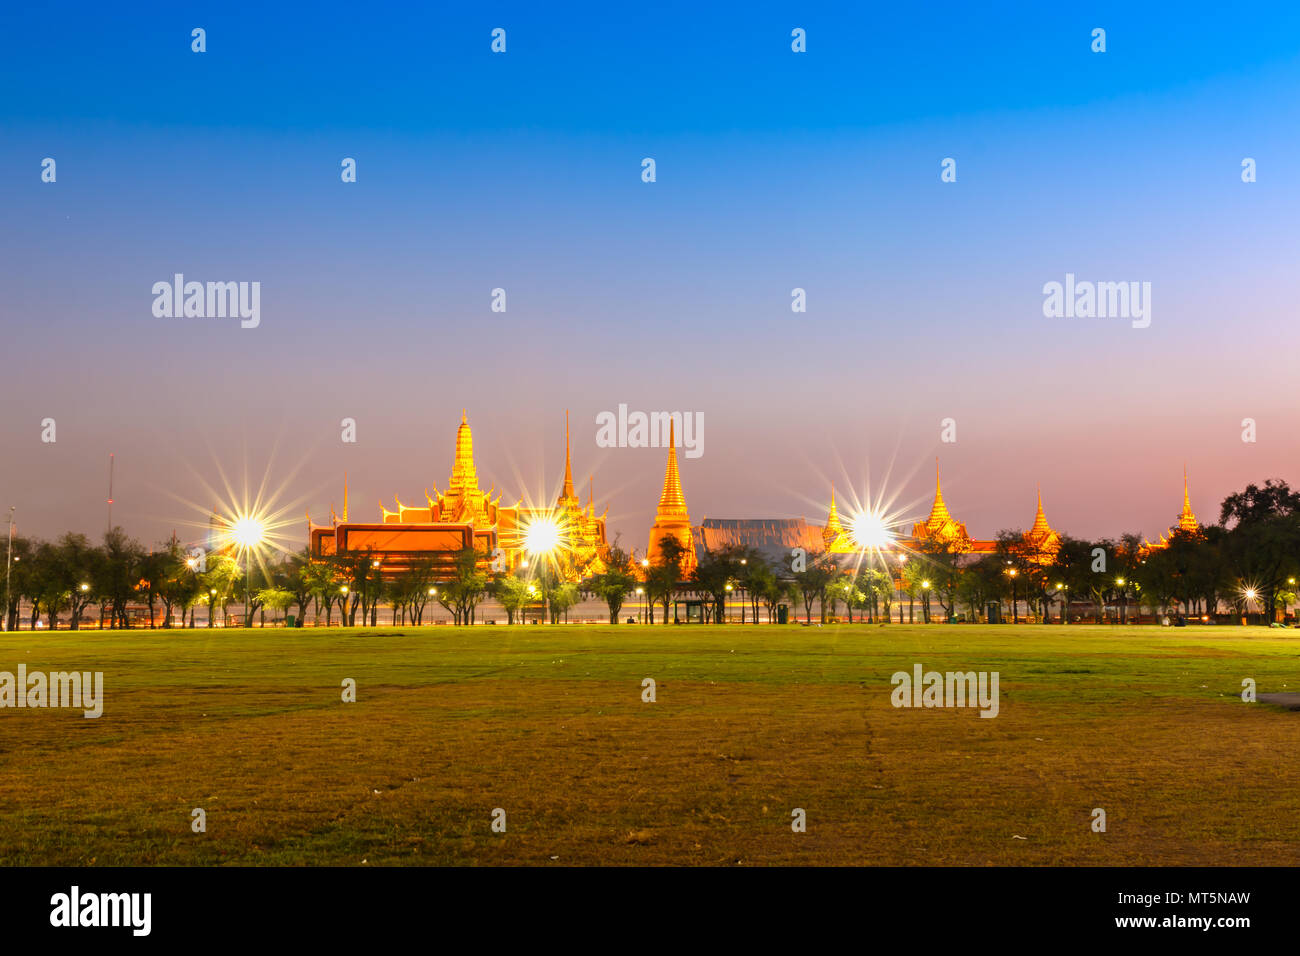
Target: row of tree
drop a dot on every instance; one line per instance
(1251, 556)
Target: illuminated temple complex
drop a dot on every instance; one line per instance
(464, 516)
(776, 537)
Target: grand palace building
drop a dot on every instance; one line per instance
(464, 516)
(506, 536)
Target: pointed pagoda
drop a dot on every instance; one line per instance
(1186, 520)
(671, 518)
(1041, 540)
(941, 526)
(568, 500)
(836, 539)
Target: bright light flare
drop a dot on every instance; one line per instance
(542, 537)
(870, 531)
(247, 532)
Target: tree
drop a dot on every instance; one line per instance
(562, 597)
(663, 576)
(763, 587)
(277, 599)
(320, 576)
(618, 580)
(47, 590)
(943, 570)
(462, 593)
(173, 579)
(1263, 538)
(18, 577)
(1071, 571)
(512, 594)
(219, 583)
(843, 587)
(119, 573)
(811, 583)
(716, 570)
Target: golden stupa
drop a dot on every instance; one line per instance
(671, 518)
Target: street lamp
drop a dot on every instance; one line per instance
(925, 589)
(902, 560)
(1015, 611)
(9, 566)
(640, 605)
(725, 603)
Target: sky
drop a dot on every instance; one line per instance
(522, 170)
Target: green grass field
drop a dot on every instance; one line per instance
(750, 722)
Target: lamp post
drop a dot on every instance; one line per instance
(649, 605)
(1061, 590)
(902, 560)
(1123, 601)
(925, 590)
(1015, 607)
(745, 602)
(9, 567)
(640, 605)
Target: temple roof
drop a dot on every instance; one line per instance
(1187, 521)
(939, 515)
(672, 503)
(463, 474)
(567, 493)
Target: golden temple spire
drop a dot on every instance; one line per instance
(345, 496)
(1187, 521)
(1040, 520)
(833, 534)
(591, 496)
(567, 494)
(672, 503)
(939, 511)
(463, 474)
(833, 517)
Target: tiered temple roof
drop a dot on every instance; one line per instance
(835, 539)
(941, 526)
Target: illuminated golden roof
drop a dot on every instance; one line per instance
(833, 534)
(941, 526)
(567, 495)
(939, 515)
(1187, 521)
(463, 475)
(1040, 525)
(672, 503)
(1042, 540)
